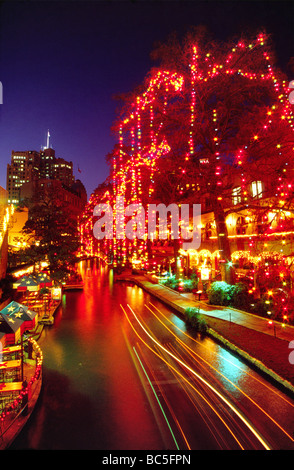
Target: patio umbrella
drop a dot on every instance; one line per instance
(30, 284)
(12, 327)
(43, 280)
(17, 311)
(19, 281)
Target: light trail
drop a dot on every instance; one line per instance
(242, 418)
(223, 358)
(167, 404)
(160, 388)
(213, 398)
(157, 399)
(193, 353)
(183, 378)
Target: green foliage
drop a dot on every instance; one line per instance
(183, 285)
(195, 320)
(44, 290)
(189, 284)
(221, 293)
(53, 225)
(260, 307)
(240, 297)
(171, 282)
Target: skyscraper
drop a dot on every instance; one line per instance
(24, 168)
(27, 168)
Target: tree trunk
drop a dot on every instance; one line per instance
(176, 255)
(227, 270)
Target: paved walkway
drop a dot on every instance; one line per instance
(183, 301)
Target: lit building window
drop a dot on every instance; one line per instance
(256, 188)
(236, 196)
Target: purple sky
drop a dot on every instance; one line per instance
(61, 63)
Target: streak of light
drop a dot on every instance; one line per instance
(206, 383)
(193, 353)
(224, 358)
(157, 399)
(242, 418)
(169, 407)
(201, 410)
(177, 372)
(181, 357)
(141, 376)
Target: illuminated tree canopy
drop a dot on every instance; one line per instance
(209, 118)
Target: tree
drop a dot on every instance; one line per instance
(89, 245)
(222, 114)
(53, 235)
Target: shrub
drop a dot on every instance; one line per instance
(220, 293)
(187, 285)
(195, 320)
(241, 298)
(184, 285)
(171, 282)
(190, 284)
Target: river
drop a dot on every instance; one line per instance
(95, 397)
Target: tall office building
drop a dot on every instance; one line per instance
(55, 168)
(27, 168)
(24, 168)
(47, 159)
(63, 171)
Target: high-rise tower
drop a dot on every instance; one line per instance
(24, 168)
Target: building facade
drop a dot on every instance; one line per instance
(6, 212)
(24, 168)
(27, 168)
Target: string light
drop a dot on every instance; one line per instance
(143, 140)
(13, 405)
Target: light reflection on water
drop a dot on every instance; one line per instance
(232, 368)
(92, 398)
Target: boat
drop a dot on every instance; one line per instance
(73, 282)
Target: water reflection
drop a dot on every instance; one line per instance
(92, 397)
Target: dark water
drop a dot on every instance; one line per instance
(92, 397)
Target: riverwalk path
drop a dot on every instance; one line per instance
(265, 346)
(182, 301)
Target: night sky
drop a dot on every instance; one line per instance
(61, 64)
